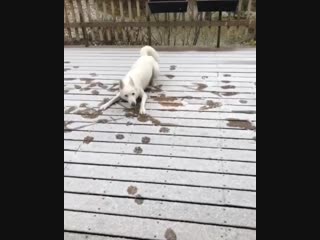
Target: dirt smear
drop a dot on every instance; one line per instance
(89, 113)
(170, 76)
(70, 109)
(228, 87)
(87, 80)
(201, 86)
(134, 113)
(242, 124)
(210, 105)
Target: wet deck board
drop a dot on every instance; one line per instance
(186, 171)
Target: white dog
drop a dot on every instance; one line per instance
(142, 74)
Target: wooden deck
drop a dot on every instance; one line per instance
(186, 171)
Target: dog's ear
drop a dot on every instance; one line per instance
(121, 84)
(131, 82)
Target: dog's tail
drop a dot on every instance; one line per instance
(149, 51)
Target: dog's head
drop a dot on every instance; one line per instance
(128, 92)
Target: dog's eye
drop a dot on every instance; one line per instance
(132, 94)
(126, 96)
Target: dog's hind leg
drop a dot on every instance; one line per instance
(155, 74)
(112, 101)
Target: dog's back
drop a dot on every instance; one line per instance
(146, 68)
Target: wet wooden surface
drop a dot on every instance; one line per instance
(186, 170)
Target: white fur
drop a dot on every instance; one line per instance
(142, 74)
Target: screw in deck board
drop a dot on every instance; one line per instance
(219, 30)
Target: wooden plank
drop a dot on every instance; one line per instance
(162, 150)
(195, 65)
(157, 162)
(198, 214)
(178, 94)
(163, 54)
(136, 227)
(200, 79)
(169, 114)
(191, 83)
(103, 55)
(81, 236)
(163, 67)
(165, 49)
(224, 101)
(187, 87)
(177, 74)
(165, 140)
(170, 105)
(170, 60)
(107, 69)
(129, 127)
(167, 122)
(209, 180)
(164, 192)
(180, 68)
(135, 52)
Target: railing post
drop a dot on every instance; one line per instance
(219, 30)
(148, 20)
(84, 30)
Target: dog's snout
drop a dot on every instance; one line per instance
(133, 104)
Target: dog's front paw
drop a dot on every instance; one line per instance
(142, 111)
(103, 107)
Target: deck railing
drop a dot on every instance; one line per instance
(129, 22)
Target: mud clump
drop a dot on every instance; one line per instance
(170, 235)
(145, 140)
(88, 140)
(138, 150)
(164, 130)
(132, 190)
(119, 136)
(139, 200)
